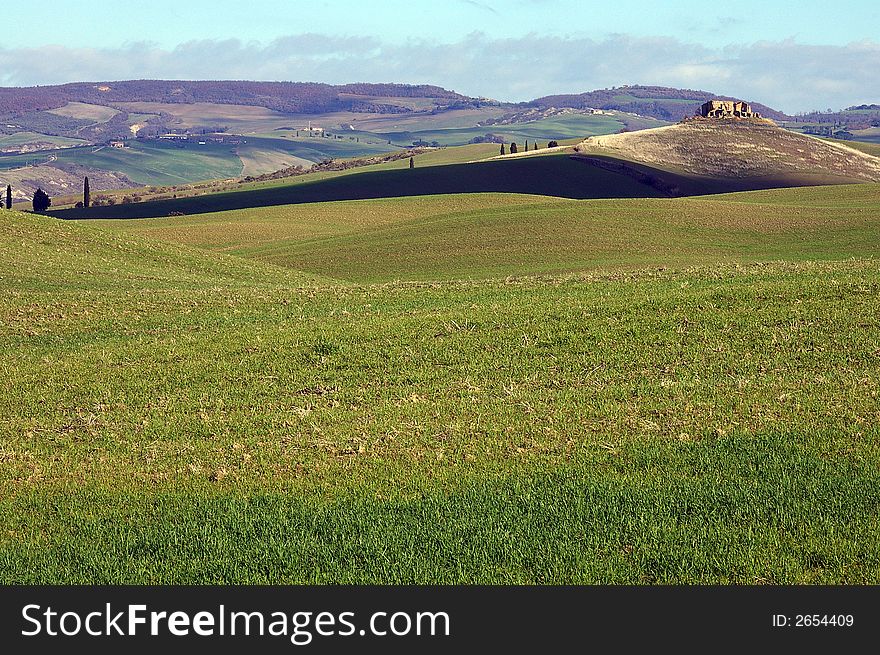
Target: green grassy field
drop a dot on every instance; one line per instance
(165, 163)
(20, 138)
(565, 126)
(870, 148)
(693, 401)
(146, 162)
(480, 235)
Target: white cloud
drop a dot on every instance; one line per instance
(785, 74)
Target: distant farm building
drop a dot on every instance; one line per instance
(117, 144)
(312, 129)
(727, 109)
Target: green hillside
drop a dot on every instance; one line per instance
(175, 415)
(487, 235)
(566, 126)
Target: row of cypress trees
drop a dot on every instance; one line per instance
(514, 149)
(42, 201)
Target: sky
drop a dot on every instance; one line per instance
(793, 56)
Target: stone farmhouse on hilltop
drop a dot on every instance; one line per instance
(727, 109)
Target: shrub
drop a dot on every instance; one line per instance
(42, 201)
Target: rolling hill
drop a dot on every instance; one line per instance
(745, 154)
(666, 391)
(692, 158)
(482, 235)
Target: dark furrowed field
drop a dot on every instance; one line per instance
(175, 415)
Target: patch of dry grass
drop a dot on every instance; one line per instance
(736, 149)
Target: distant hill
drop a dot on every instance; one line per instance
(291, 97)
(858, 117)
(736, 153)
(693, 158)
(660, 102)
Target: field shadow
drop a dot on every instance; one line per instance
(562, 176)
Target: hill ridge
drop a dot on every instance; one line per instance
(735, 149)
(290, 97)
(664, 103)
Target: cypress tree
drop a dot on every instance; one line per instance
(502, 149)
(87, 198)
(412, 164)
(8, 196)
(526, 149)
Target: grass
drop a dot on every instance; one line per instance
(84, 111)
(22, 138)
(869, 148)
(565, 126)
(172, 414)
(640, 515)
(486, 235)
(739, 149)
(158, 162)
(145, 162)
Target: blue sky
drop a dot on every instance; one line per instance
(794, 55)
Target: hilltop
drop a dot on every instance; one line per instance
(661, 102)
(751, 153)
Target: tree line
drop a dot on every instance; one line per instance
(515, 149)
(41, 200)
